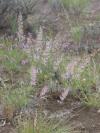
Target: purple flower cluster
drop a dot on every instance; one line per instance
(24, 62)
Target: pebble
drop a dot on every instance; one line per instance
(98, 111)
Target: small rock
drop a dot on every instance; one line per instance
(98, 111)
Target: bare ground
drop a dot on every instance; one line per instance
(81, 118)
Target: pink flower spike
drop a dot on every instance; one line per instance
(33, 76)
(44, 91)
(64, 94)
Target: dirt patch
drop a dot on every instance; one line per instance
(7, 129)
(89, 119)
(81, 118)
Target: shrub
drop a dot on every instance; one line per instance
(92, 100)
(17, 97)
(72, 6)
(85, 81)
(77, 33)
(75, 5)
(13, 24)
(11, 59)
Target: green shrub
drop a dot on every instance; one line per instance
(92, 100)
(13, 24)
(49, 74)
(87, 83)
(16, 98)
(70, 5)
(86, 79)
(77, 33)
(75, 4)
(11, 59)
